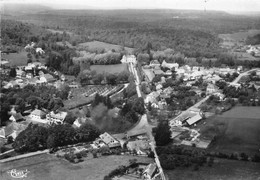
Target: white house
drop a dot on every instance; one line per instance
(109, 140)
(174, 66)
(56, 118)
(39, 50)
(129, 59)
(155, 63)
(15, 117)
(150, 171)
(47, 78)
(38, 116)
(211, 89)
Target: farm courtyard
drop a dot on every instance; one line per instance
(238, 131)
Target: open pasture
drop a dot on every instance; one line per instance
(48, 167)
(221, 169)
(239, 36)
(103, 45)
(238, 131)
(19, 59)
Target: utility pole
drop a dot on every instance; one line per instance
(205, 2)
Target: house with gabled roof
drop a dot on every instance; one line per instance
(16, 117)
(56, 117)
(155, 63)
(13, 129)
(171, 66)
(150, 171)
(211, 89)
(38, 115)
(157, 71)
(47, 78)
(128, 59)
(109, 140)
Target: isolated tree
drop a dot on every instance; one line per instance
(87, 132)
(70, 118)
(138, 106)
(33, 138)
(12, 72)
(162, 134)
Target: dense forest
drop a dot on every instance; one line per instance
(193, 33)
(253, 40)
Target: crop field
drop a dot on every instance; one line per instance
(103, 45)
(86, 94)
(221, 169)
(238, 131)
(110, 69)
(19, 59)
(48, 167)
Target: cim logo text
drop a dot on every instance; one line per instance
(18, 173)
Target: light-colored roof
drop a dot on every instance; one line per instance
(194, 119)
(49, 77)
(154, 62)
(17, 116)
(38, 112)
(109, 140)
(138, 144)
(150, 170)
(2, 133)
(158, 71)
(59, 115)
(14, 126)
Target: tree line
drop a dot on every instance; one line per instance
(47, 97)
(36, 137)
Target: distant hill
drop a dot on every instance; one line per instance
(17, 8)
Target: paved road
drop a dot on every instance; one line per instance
(137, 79)
(244, 74)
(143, 123)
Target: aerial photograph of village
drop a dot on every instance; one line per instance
(130, 90)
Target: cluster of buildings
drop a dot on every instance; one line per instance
(17, 122)
(255, 50)
(34, 74)
(32, 47)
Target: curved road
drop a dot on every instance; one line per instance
(244, 74)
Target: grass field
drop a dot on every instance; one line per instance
(103, 45)
(221, 169)
(19, 59)
(239, 36)
(110, 69)
(239, 130)
(48, 167)
(59, 32)
(244, 56)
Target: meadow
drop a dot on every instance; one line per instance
(19, 59)
(49, 167)
(237, 129)
(103, 45)
(239, 36)
(221, 169)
